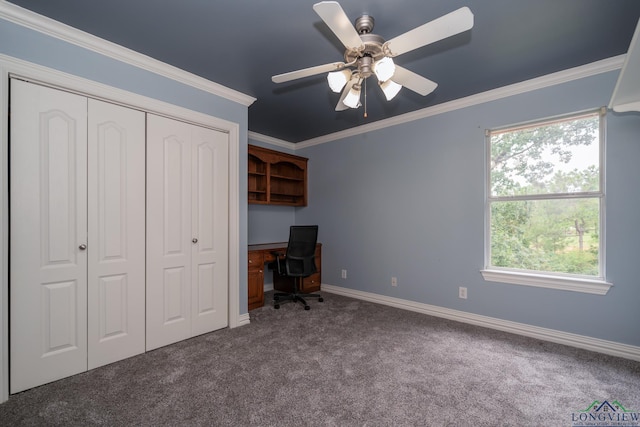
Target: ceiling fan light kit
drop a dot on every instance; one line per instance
(352, 100)
(370, 54)
(384, 69)
(390, 89)
(337, 79)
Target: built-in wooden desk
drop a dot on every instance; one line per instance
(261, 254)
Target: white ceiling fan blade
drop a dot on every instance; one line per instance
(307, 72)
(446, 26)
(332, 14)
(341, 105)
(413, 81)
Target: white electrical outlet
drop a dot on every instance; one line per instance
(344, 274)
(394, 281)
(462, 292)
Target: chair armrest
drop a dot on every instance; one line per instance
(277, 255)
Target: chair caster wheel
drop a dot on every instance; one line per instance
(306, 307)
(276, 306)
(320, 299)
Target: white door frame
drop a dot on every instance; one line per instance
(48, 76)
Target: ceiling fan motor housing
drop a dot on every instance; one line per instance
(373, 47)
(364, 24)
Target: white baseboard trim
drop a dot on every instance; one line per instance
(243, 319)
(580, 341)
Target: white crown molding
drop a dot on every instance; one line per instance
(588, 70)
(272, 141)
(626, 94)
(55, 78)
(50, 27)
(579, 341)
(34, 21)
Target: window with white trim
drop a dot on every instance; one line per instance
(545, 204)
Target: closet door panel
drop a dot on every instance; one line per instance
(168, 231)
(48, 280)
(116, 204)
(210, 228)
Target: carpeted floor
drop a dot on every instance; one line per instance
(343, 363)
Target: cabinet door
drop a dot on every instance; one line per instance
(255, 288)
(312, 283)
(116, 249)
(168, 231)
(209, 228)
(48, 281)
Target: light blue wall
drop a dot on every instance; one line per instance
(408, 201)
(269, 224)
(32, 46)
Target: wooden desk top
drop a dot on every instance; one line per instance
(268, 246)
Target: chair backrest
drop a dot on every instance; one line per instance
(301, 250)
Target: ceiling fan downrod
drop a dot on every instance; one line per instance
(364, 24)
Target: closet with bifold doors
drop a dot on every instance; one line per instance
(119, 234)
(77, 214)
(187, 230)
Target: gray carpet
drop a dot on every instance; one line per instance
(343, 363)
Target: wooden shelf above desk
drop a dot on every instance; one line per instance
(261, 254)
(276, 178)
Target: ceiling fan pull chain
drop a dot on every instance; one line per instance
(365, 98)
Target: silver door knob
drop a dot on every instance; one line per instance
(194, 240)
(82, 247)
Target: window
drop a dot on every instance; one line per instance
(545, 204)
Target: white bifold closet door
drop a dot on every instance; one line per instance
(77, 234)
(116, 221)
(187, 230)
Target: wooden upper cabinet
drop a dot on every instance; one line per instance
(276, 178)
(257, 177)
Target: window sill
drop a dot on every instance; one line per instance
(575, 284)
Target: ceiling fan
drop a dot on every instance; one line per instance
(367, 54)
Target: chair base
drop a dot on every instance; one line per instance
(295, 297)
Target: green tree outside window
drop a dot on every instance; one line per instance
(545, 195)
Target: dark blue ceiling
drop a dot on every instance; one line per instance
(242, 43)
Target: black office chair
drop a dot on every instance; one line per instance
(298, 262)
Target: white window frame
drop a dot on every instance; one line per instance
(551, 280)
